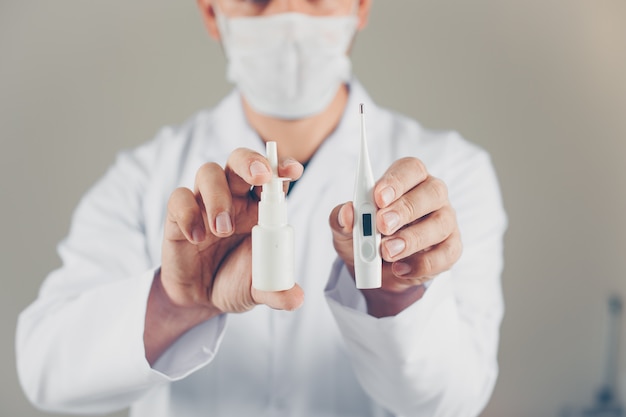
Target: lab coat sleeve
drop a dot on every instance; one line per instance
(79, 346)
(438, 357)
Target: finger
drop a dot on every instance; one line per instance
(420, 235)
(289, 168)
(289, 300)
(427, 197)
(398, 284)
(427, 264)
(212, 187)
(341, 220)
(184, 217)
(246, 168)
(400, 177)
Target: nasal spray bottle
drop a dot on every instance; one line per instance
(368, 265)
(273, 265)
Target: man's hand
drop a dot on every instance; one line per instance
(420, 239)
(206, 267)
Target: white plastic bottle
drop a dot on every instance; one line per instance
(273, 265)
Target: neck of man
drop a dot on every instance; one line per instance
(299, 139)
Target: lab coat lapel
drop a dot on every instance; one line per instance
(231, 130)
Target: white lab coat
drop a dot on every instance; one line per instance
(80, 344)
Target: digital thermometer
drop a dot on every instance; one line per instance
(368, 264)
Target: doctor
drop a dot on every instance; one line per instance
(153, 307)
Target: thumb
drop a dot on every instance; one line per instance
(289, 300)
(341, 222)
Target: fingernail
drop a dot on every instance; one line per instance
(394, 246)
(258, 168)
(387, 194)
(340, 219)
(289, 161)
(223, 223)
(391, 220)
(198, 234)
(400, 268)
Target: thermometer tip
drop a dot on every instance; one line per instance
(361, 108)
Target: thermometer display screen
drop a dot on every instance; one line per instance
(367, 224)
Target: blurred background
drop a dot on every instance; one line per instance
(541, 84)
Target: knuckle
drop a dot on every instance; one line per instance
(293, 303)
(181, 207)
(456, 249)
(391, 179)
(186, 216)
(178, 196)
(242, 151)
(451, 213)
(178, 193)
(427, 265)
(412, 163)
(405, 165)
(238, 154)
(438, 189)
(449, 222)
(442, 223)
(244, 156)
(207, 171)
(410, 207)
(417, 166)
(449, 255)
(417, 241)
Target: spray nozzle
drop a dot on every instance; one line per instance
(272, 207)
(273, 190)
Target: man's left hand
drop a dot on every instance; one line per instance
(420, 235)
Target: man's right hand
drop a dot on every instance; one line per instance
(206, 265)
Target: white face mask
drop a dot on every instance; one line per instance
(288, 65)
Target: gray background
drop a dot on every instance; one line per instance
(540, 83)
